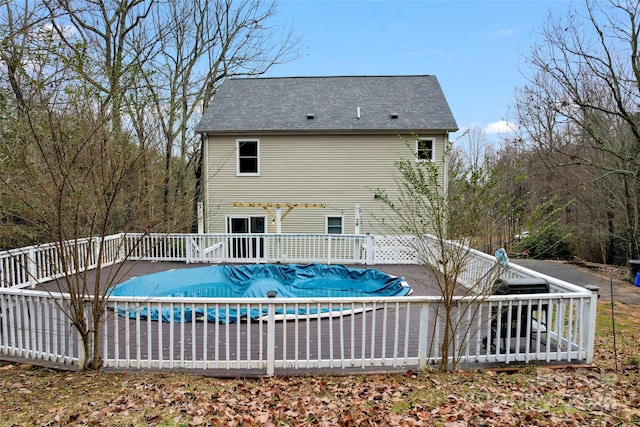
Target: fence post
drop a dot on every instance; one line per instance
(590, 322)
(271, 334)
(423, 335)
(329, 250)
(369, 250)
(32, 267)
(188, 241)
(96, 253)
(82, 356)
(122, 247)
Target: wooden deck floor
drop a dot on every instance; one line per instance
(177, 339)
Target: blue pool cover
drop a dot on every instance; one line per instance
(254, 281)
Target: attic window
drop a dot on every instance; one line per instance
(247, 157)
(311, 116)
(425, 149)
(393, 115)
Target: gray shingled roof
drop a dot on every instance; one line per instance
(283, 104)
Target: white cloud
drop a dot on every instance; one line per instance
(507, 32)
(501, 126)
(47, 30)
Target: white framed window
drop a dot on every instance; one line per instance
(239, 224)
(248, 157)
(425, 149)
(334, 225)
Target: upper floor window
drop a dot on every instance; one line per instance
(334, 225)
(248, 157)
(425, 149)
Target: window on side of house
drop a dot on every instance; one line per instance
(248, 157)
(334, 225)
(425, 149)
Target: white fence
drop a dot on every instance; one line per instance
(35, 325)
(28, 266)
(393, 333)
(258, 248)
(321, 333)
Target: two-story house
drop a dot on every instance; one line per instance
(304, 154)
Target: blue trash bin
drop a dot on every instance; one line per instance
(637, 282)
(634, 269)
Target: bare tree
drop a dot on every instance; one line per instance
(73, 184)
(472, 156)
(28, 74)
(455, 213)
(242, 41)
(79, 79)
(100, 35)
(151, 67)
(580, 105)
(202, 42)
(476, 151)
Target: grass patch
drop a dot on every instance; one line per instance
(627, 335)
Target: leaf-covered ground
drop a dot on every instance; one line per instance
(601, 396)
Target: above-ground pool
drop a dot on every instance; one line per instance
(255, 281)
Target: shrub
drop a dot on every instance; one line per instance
(548, 243)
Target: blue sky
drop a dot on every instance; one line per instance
(475, 48)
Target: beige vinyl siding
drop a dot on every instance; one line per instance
(336, 171)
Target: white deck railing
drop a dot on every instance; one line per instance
(28, 266)
(393, 333)
(23, 267)
(35, 326)
(258, 248)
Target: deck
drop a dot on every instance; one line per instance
(302, 345)
(178, 339)
(327, 335)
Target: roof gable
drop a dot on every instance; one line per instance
(347, 104)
